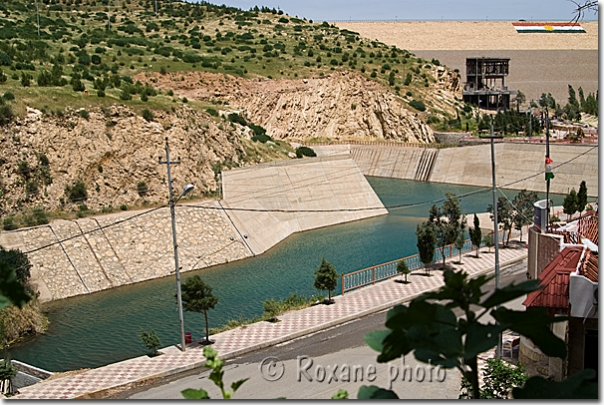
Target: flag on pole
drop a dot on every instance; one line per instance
(548, 169)
(548, 27)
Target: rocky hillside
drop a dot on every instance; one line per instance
(88, 101)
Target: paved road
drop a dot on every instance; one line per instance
(339, 345)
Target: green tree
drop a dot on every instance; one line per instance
(151, 341)
(11, 290)
(197, 297)
(488, 241)
(447, 222)
(403, 269)
(77, 193)
(505, 216)
(499, 379)
(436, 334)
(326, 278)
(18, 261)
(426, 239)
(476, 235)
(570, 204)
(459, 242)
(582, 197)
(524, 208)
(7, 372)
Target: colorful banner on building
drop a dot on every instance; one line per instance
(548, 27)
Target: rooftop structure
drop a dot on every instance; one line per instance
(485, 83)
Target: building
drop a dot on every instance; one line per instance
(485, 83)
(565, 261)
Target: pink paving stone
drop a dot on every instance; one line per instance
(352, 303)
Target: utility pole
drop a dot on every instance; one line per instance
(547, 158)
(492, 137)
(168, 163)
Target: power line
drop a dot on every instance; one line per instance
(241, 209)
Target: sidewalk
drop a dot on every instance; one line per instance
(245, 339)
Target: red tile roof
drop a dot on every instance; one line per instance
(555, 279)
(588, 227)
(590, 266)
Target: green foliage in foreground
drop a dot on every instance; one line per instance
(435, 335)
(216, 376)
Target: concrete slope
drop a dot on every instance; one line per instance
(387, 161)
(472, 165)
(270, 202)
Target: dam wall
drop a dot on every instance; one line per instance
(288, 197)
(92, 254)
(518, 166)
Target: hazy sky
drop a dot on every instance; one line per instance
(475, 10)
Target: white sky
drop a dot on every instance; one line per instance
(474, 10)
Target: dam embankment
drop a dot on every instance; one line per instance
(518, 166)
(262, 206)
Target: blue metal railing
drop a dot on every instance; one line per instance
(384, 271)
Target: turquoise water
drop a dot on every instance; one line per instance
(102, 328)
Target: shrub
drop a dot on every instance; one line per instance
(124, 207)
(151, 341)
(234, 117)
(6, 114)
(212, 111)
(142, 188)
(100, 93)
(84, 114)
(148, 115)
(8, 96)
(31, 187)
(418, 105)
(8, 223)
(40, 216)
(77, 192)
(302, 151)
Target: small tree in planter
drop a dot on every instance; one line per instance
(488, 241)
(150, 341)
(426, 239)
(326, 278)
(197, 297)
(403, 269)
(476, 235)
(459, 242)
(272, 309)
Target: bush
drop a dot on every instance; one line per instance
(151, 341)
(8, 223)
(142, 188)
(418, 105)
(6, 114)
(40, 216)
(212, 111)
(77, 192)
(305, 151)
(124, 207)
(100, 93)
(148, 115)
(15, 259)
(234, 117)
(84, 114)
(31, 187)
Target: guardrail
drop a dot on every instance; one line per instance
(371, 275)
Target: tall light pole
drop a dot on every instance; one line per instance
(547, 165)
(187, 188)
(492, 137)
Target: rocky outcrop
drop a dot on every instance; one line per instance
(111, 152)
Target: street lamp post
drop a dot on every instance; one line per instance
(492, 137)
(172, 203)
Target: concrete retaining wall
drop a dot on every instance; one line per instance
(471, 165)
(332, 185)
(92, 254)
